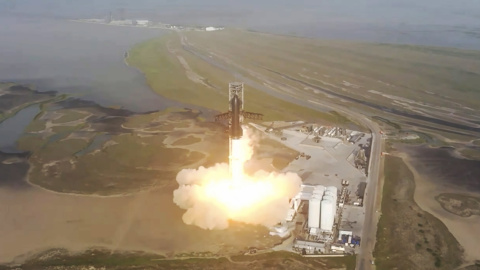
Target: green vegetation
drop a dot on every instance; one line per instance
(143, 120)
(66, 129)
(125, 163)
(60, 149)
(388, 122)
(140, 260)
(93, 257)
(35, 126)
(400, 77)
(271, 259)
(82, 158)
(383, 67)
(398, 246)
(178, 75)
(187, 141)
(30, 142)
(459, 204)
(470, 153)
(17, 97)
(69, 116)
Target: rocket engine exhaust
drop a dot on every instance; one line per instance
(236, 163)
(214, 196)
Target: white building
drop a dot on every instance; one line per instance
(310, 247)
(211, 28)
(142, 22)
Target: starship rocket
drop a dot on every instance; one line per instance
(236, 114)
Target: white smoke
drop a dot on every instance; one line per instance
(211, 198)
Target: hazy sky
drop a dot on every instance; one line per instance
(445, 12)
(429, 22)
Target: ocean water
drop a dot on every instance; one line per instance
(79, 59)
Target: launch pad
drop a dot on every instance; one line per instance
(327, 215)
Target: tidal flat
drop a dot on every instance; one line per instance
(92, 176)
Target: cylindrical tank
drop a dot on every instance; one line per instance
(314, 205)
(327, 214)
(332, 189)
(319, 190)
(329, 193)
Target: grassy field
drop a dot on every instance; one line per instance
(187, 141)
(470, 153)
(132, 153)
(436, 82)
(69, 116)
(56, 259)
(127, 163)
(98, 156)
(161, 62)
(405, 70)
(407, 236)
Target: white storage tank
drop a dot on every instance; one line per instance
(332, 189)
(319, 190)
(329, 193)
(327, 214)
(314, 212)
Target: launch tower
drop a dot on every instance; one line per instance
(235, 116)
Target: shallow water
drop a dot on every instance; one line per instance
(84, 60)
(443, 168)
(12, 128)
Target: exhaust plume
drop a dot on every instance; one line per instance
(213, 196)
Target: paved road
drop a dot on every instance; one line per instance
(372, 197)
(372, 201)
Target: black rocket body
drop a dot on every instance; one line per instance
(236, 131)
(236, 114)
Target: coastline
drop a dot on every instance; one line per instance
(461, 228)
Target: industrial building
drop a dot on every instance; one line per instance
(326, 216)
(322, 207)
(308, 247)
(141, 22)
(211, 28)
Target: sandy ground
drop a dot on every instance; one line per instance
(463, 229)
(34, 219)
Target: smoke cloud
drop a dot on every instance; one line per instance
(212, 198)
